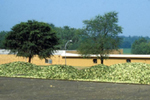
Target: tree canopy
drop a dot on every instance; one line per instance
(101, 35)
(141, 46)
(32, 38)
(2, 38)
(66, 33)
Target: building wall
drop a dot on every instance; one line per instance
(112, 61)
(73, 61)
(5, 58)
(81, 61)
(87, 62)
(144, 60)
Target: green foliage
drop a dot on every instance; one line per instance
(79, 36)
(102, 35)
(32, 38)
(2, 37)
(66, 33)
(141, 46)
(122, 73)
(125, 44)
(127, 41)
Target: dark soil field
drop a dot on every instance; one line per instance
(40, 89)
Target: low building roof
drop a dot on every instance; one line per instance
(63, 54)
(4, 51)
(110, 55)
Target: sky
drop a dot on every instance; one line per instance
(133, 15)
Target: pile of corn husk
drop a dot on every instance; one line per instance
(120, 73)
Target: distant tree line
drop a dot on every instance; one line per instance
(77, 35)
(127, 41)
(66, 33)
(2, 38)
(141, 46)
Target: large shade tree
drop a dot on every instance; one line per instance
(101, 36)
(32, 38)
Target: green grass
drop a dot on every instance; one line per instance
(126, 50)
(120, 73)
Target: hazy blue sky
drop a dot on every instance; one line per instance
(134, 15)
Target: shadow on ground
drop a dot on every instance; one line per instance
(40, 89)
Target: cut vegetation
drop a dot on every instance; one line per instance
(121, 73)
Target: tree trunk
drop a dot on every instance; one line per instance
(102, 61)
(29, 59)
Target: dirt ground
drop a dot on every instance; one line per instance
(40, 89)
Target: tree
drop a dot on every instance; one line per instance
(102, 36)
(127, 41)
(141, 46)
(66, 33)
(125, 44)
(32, 38)
(2, 37)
